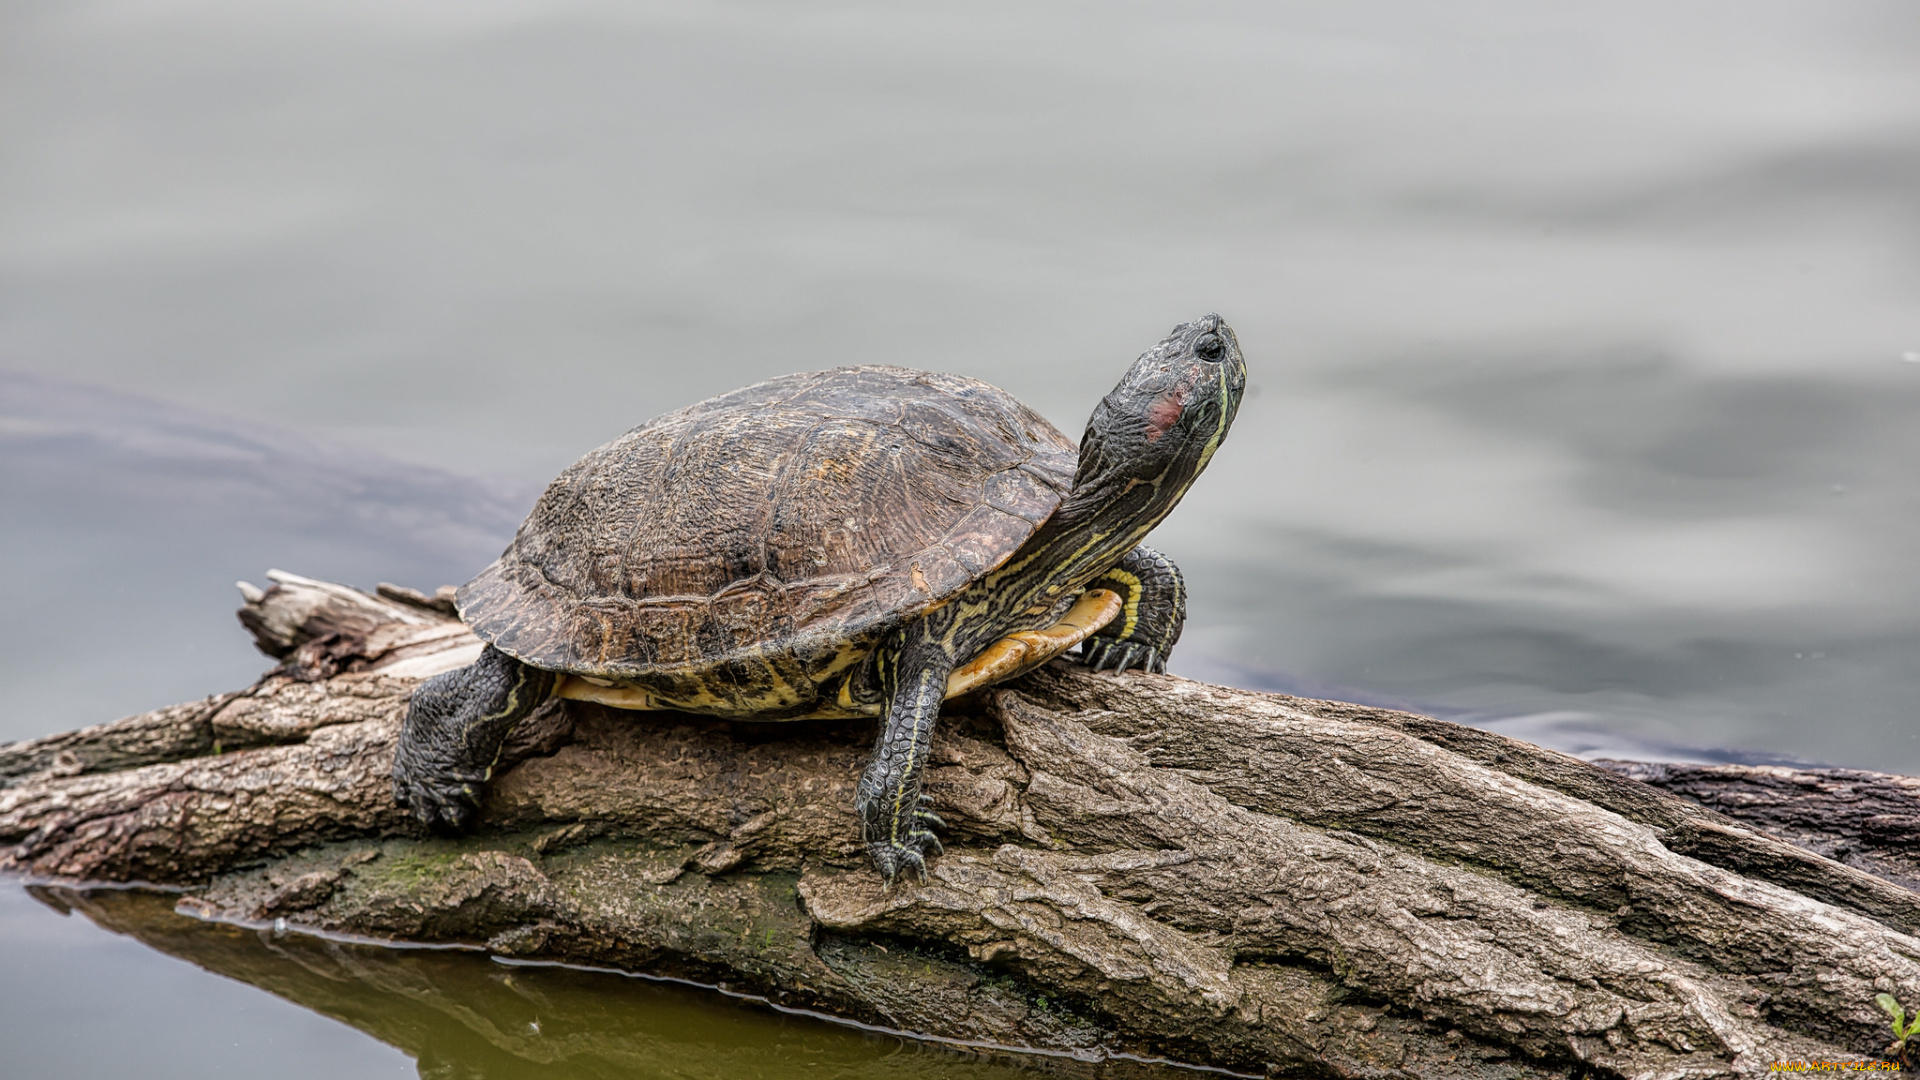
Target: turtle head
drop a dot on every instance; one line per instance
(1154, 432)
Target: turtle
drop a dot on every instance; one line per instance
(865, 541)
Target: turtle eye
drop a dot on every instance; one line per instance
(1209, 347)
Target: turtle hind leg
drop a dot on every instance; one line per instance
(912, 669)
(1153, 610)
(456, 724)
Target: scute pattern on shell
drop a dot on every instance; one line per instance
(769, 527)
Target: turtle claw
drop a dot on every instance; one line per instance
(894, 859)
(1094, 652)
(447, 803)
(445, 816)
(1102, 654)
(927, 818)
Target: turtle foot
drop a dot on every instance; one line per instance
(448, 802)
(916, 843)
(1117, 654)
(910, 856)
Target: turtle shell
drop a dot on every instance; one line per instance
(773, 532)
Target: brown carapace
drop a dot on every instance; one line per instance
(738, 557)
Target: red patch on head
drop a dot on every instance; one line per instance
(1165, 413)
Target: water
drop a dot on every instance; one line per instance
(455, 1013)
(1582, 340)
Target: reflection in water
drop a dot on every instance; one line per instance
(79, 1003)
(463, 1016)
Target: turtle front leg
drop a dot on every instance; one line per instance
(912, 670)
(456, 724)
(1153, 610)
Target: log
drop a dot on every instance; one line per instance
(1138, 867)
(1867, 820)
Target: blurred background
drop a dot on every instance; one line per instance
(1585, 339)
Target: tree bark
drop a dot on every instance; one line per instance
(1867, 820)
(1137, 865)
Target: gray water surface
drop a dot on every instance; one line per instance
(1585, 340)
